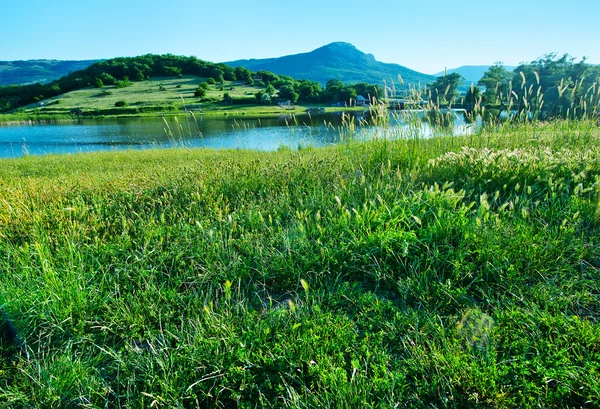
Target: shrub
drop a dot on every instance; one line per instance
(200, 92)
(121, 103)
(124, 83)
(211, 81)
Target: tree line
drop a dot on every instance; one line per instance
(551, 85)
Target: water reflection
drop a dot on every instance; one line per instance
(218, 133)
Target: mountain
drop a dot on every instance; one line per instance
(336, 61)
(471, 73)
(32, 71)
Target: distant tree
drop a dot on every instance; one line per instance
(243, 74)
(217, 75)
(369, 91)
(288, 92)
(98, 83)
(347, 94)
(473, 96)
(124, 83)
(445, 88)
(200, 92)
(211, 81)
(270, 89)
(496, 81)
(308, 90)
(106, 78)
(267, 76)
(265, 99)
(121, 103)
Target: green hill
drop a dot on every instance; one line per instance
(32, 71)
(341, 61)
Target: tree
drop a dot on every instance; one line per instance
(445, 88)
(270, 90)
(473, 97)
(496, 81)
(98, 83)
(200, 91)
(121, 103)
(308, 90)
(288, 92)
(217, 75)
(265, 99)
(243, 74)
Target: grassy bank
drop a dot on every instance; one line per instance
(451, 272)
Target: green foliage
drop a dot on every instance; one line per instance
(445, 89)
(121, 103)
(444, 272)
(200, 91)
(496, 81)
(211, 81)
(124, 83)
(473, 97)
(265, 99)
(270, 90)
(98, 83)
(287, 92)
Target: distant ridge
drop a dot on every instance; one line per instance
(42, 71)
(471, 73)
(337, 60)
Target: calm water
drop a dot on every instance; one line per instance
(208, 132)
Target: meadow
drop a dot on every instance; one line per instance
(443, 272)
(158, 96)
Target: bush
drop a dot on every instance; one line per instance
(211, 81)
(124, 83)
(121, 103)
(200, 92)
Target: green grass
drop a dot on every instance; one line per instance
(154, 97)
(451, 272)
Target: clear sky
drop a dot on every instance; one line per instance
(423, 35)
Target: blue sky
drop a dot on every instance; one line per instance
(423, 35)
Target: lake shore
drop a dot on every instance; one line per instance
(231, 111)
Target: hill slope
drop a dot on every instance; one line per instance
(32, 71)
(336, 60)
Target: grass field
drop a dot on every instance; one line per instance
(157, 96)
(450, 272)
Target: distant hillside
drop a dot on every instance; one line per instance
(42, 71)
(471, 73)
(336, 61)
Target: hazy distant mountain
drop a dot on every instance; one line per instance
(336, 60)
(471, 73)
(32, 71)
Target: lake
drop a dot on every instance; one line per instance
(90, 135)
